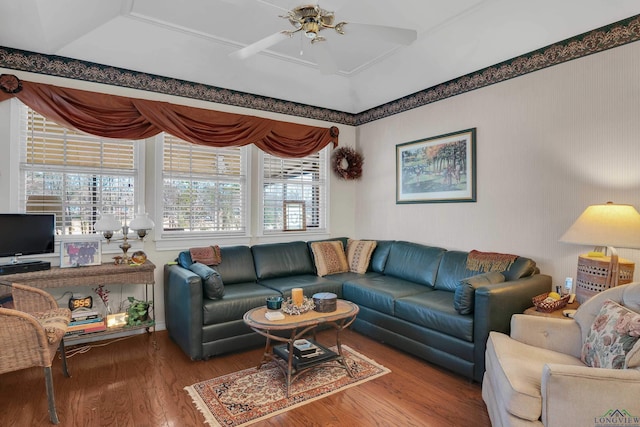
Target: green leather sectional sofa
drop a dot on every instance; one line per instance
(421, 299)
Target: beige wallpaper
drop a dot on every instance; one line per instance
(548, 145)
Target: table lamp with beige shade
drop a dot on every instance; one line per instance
(607, 226)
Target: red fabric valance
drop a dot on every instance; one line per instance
(114, 116)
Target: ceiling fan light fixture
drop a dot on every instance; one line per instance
(311, 28)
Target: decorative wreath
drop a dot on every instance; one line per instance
(347, 163)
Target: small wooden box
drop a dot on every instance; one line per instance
(325, 302)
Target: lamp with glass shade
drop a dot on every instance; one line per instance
(108, 224)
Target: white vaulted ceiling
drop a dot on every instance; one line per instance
(192, 39)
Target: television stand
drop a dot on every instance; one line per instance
(91, 276)
(24, 267)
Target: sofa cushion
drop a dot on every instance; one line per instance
(380, 292)
(350, 275)
(464, 296)
(413, 262)
(238, 299)
(515, 370)
(359, 254)
(521, 267)
(236, 265)
(380, 255)
(613, 334)
(452, 269)
(434, 310)
(211, 281)
(329, 257)
(282, 259)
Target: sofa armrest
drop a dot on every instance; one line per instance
(494, 306)
(580, 396)
(183, 299)
(561, 335)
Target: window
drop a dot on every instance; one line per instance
(204, 189)
(76, 175)
(289, 183)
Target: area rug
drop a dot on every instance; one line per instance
(251, 395)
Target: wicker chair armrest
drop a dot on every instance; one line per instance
(24, 341)
(32, 300)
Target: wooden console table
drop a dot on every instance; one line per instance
(104, 274)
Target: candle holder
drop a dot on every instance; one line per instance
(289, 307)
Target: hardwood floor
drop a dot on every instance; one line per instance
(130, 383)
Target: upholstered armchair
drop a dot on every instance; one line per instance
(556, 372)
(32, 328)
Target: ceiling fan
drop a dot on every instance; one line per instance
(311, 20)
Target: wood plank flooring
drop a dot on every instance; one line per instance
(132, 383)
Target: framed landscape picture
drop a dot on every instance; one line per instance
(78, 254)
(438, 169)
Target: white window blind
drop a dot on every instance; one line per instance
(294, 180)
(75, 175)
(204, 188)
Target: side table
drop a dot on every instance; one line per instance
(558, 313)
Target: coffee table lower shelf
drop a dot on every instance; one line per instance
(302, 363)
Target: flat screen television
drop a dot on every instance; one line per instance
(26, 234)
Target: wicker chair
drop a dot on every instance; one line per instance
(32, 327)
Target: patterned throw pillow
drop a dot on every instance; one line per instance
(329, 257)
(54, 322)
(613, 334)
(359, 254)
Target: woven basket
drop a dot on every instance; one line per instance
(592, 275)
(548, 307)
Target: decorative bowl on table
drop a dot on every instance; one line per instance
(139, 257)
(546, 305)
(274, 303)
(289, 307)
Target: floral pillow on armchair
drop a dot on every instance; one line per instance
(613, 334)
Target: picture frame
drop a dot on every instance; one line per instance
(294, 215)
(439, 169)
(80, 253)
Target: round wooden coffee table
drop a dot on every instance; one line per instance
(295, 327)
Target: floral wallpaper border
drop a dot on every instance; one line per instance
(608, 37)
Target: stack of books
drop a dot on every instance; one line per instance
(305, 348)
(85, 322)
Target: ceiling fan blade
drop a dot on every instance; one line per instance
(259, 46)
(272, 5)
(324, 59)
(398, 35)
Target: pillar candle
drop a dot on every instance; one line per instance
(296, 296)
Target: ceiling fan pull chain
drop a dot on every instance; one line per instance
(301, 45)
